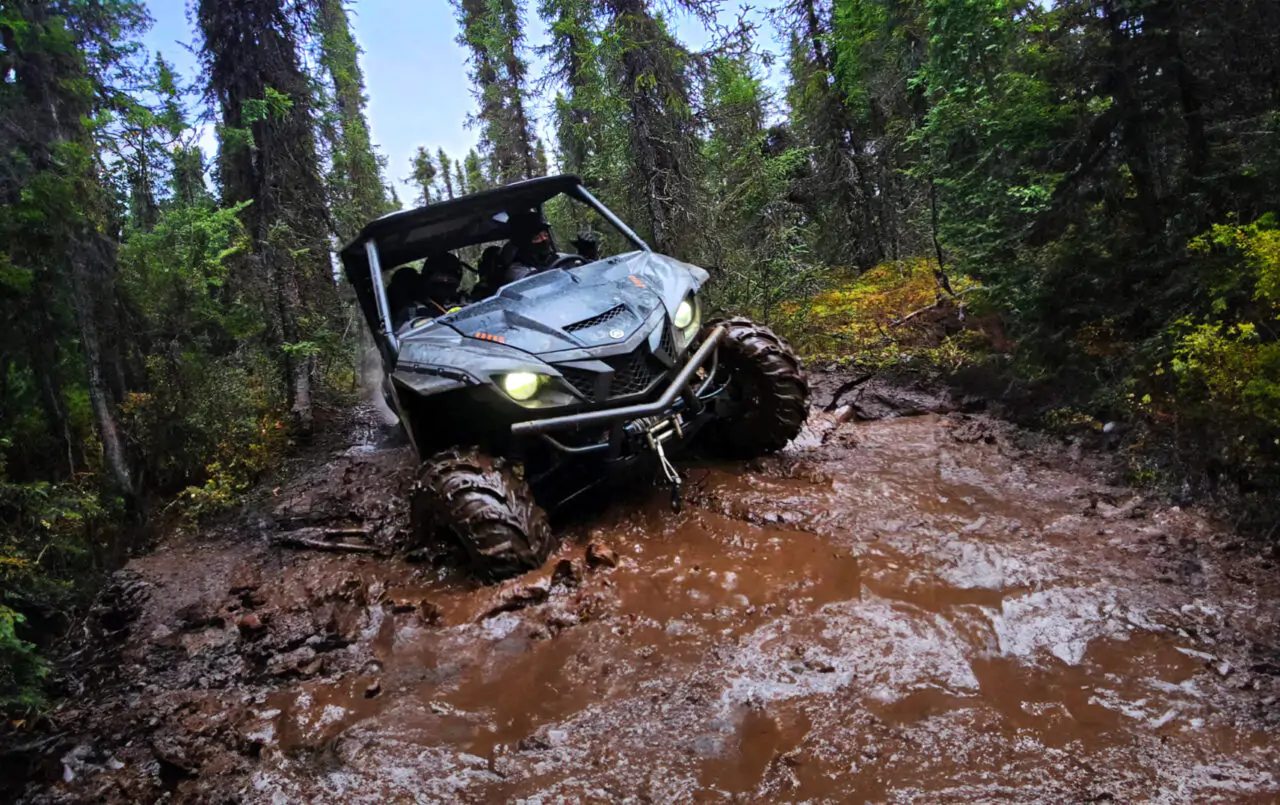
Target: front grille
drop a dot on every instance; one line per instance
(582, 380)
(666, 346)
(603, 318)
(633, 373)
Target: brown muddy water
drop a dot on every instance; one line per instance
(924, 609)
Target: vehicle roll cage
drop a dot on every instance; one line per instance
(362, 258)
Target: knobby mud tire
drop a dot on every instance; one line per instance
(769, 386)
(485, 506)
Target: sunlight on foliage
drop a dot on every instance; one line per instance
(1235, 362)
(861, 319)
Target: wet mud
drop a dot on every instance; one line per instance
(930, 608)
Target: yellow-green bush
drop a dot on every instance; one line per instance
(1234, 360)
(861, 318)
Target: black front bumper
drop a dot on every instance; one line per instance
(617, 444)
(679, 387)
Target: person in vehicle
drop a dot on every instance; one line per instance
(490, 273)
(402, 294)
(530, 248)
(428, 293)
(587, 244)
(442, 282)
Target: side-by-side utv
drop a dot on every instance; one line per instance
(566, 371)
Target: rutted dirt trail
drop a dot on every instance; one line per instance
(934, 608)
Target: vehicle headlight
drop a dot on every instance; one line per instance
(687, 319)
(685, 314)
(521, 385)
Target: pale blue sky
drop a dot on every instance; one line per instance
(415, 72)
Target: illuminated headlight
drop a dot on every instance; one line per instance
(521, 385)
(687, 318)
(684, 314)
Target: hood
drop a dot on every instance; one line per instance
(591, 308)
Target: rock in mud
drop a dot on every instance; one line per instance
(886, 400)
(819, 665)
(299, 662)
(119, 603)
(198, 615)
(251, 625)
(519, 597)
(567, 574)
(970, 431)
(430, 613)
(601, 555)
(400, 606)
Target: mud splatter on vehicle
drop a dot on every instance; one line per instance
(933, 608)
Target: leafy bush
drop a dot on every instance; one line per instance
(47, 544)
(864, 318)
(209, 421)
(1233, 359)
(1217, 380)
(21, 668)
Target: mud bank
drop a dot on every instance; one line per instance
(930, 608)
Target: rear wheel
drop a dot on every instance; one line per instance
(482, 503)
(767, 398)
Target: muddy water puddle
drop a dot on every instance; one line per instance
(889, 614)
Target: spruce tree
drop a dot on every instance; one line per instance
(268, 156)
(423, 175)
(359, 193)
(573, 57)
(650, 71)
(58, 224)
(492, 31)
(446, 172)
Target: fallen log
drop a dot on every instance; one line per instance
(325, 539)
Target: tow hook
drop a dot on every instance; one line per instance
(657, 434)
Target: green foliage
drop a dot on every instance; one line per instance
(22, 670)
(1232, 360)
(45, 548)
(356, 189)
(156, 339)
(891, 316)
(273, 105)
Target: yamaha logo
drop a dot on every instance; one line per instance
(617, 334)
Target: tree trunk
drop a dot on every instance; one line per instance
(1137, 151)
(44, 359)
(91, 266)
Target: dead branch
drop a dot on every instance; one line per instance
(934, 306)
(286, 541)
(325, 539)
(844, 389)
(912, 315)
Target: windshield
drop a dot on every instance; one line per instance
(492, 246)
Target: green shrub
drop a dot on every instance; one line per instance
(22, 670)
(46, 546)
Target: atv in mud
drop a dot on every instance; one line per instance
(556, 373)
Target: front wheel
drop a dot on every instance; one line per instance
(766, 400)
(483, 504)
